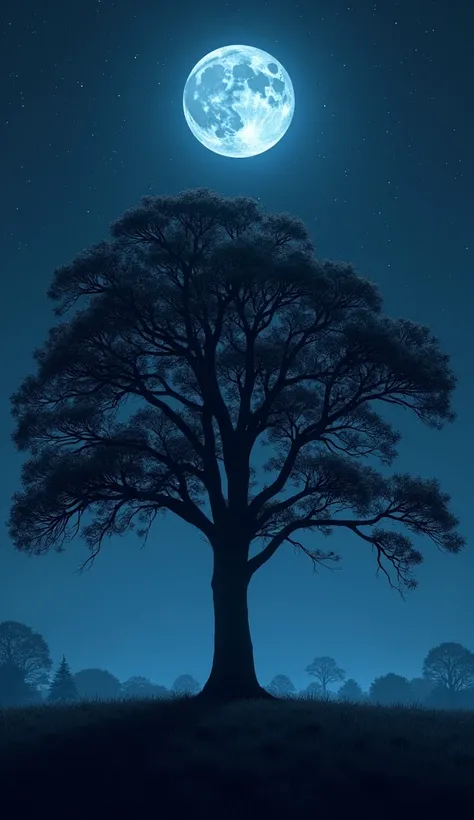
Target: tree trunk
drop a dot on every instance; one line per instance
(233, 670)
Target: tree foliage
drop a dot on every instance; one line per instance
(14, 690)
(313, 690)
(63, 687)
(281, 685)
(222, 324)
(350, 691)
(450, 666)
(141, 687)
(26, 650)
(421, 688)
(185, 685)
(391, 689)
(95, 684)
(202, 335)
(326, 671)
(465, 698)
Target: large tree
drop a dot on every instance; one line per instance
(26, 650)
(204, 336)
(450, 666)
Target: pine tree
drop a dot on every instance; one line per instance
(63, 688)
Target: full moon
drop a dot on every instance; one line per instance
(238, 101)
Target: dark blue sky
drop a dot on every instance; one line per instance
(377, 162)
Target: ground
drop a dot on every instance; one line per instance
(282, 758)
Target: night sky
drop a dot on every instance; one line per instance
(377, 162)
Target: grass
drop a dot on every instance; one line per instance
(284, 758)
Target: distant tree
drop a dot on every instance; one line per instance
(140, 687)
(421, 689)
(442, 698)
(451, 666)
(95, 684)
(63, 687)
(391, 689)
(465, 698)
(313, 690)
(136, 687)
(326, 671)
(185, 685)
(160, 691)
(14, 690)
(226, 332)
(281, 685)
(26, 650)
(351, 691)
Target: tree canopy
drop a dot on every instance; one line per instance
(96, 683)
(451, 666)
(326, 671)
(14, 690)
(281, 685)
(140, 687)
(185, 685)
(206, 333)
(350, 691)
(390, 689)
(26, 650)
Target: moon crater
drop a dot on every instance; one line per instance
(238, 101)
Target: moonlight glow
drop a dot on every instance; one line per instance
(238, 101)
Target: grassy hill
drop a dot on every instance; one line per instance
(185, 758)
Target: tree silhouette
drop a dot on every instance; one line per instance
(313, 690)
(281, 685)
(326, 671)
(390, 689)
(421, 688)
(26, 650)
(63, 687)
(140, 687)
(465, 698)
(185, 685)
(450, 666)
(442, 698)
(14, 690)
(206, 332)
(351, 691)
(95, 684)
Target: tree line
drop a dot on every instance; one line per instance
(25, 675)
(447, 679)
